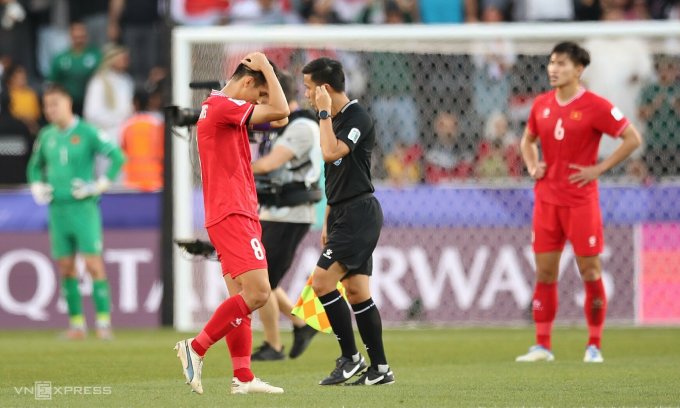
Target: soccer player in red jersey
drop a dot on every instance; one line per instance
(569, 122)
(231, 217)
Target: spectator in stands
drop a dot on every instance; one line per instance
(493, 62)
(664, 9)
(448, 11)
(638, 10)
(15, 33)
(542, 10)
(319, 12)
(108, 101)
(448, 158)
(403, 164)
(73, 68)
(260, 12)
(142, 142)
(15, 144)
(137, 26)
(587, 10)
(660, 109)
(25, 104)
(401, 11)
(94, 15)
(498, 153)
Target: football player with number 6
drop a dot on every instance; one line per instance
(569, 121)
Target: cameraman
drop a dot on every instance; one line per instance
(288, 186)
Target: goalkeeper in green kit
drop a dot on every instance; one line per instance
(61, 174)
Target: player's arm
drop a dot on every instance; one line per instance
(585, 174)
(276, 158)
(276, 107)
(279, 123)
(41, 191)
(529, 148)
(332, 148)
(36, 163)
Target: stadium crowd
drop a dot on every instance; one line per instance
(113, 58)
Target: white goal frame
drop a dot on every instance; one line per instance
(360, 37)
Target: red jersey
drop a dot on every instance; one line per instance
(570, 133)
(224, 150)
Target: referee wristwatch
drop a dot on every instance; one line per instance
(323, 114)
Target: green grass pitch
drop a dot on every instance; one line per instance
(451, 367)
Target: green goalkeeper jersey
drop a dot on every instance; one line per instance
(61, 156)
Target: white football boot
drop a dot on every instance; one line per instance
(192, 364)
(254, 386)
(536, 353)
(593, 355)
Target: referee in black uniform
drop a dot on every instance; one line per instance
(352, 226)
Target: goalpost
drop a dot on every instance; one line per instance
(425, 68)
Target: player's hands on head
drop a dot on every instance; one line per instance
(538, 172)
(322, 99)
(583, 174)
(256, 61)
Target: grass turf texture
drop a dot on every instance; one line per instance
(433, 368)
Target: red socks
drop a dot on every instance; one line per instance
(544, 306)
(595, 309)
(228, 316)
(240, 344)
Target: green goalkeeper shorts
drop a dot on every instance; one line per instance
(75, 227)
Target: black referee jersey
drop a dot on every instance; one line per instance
(350, 176)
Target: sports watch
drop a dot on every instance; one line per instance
(323, 114)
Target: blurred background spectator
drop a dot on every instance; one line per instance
(108, 100)
(142, 142)
(448, 157)
(25, 104)
(15, 145)
(73, 68)
(660, 110)
(498, 154)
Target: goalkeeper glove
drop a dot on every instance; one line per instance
(42, 192)
(81, 189)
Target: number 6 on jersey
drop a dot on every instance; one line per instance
(559, 130)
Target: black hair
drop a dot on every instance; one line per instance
(242, 70)
(577, 54)
(326, 71)
(288, 85)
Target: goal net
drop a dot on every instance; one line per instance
(450, 104)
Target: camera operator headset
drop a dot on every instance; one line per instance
(287, 178)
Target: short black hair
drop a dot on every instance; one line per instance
(326, 71)
(53, 88)
(577, 54)
(242, 70)
(288, 85)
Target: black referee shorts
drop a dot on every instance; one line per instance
(281, 240)
(353, 229)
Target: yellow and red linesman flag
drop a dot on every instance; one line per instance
(309, 308)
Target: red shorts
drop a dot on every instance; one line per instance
(554, 224)
(237, 240)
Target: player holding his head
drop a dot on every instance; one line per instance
(570, 121)
(352, 226)
(231, 217)
(61, 174)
